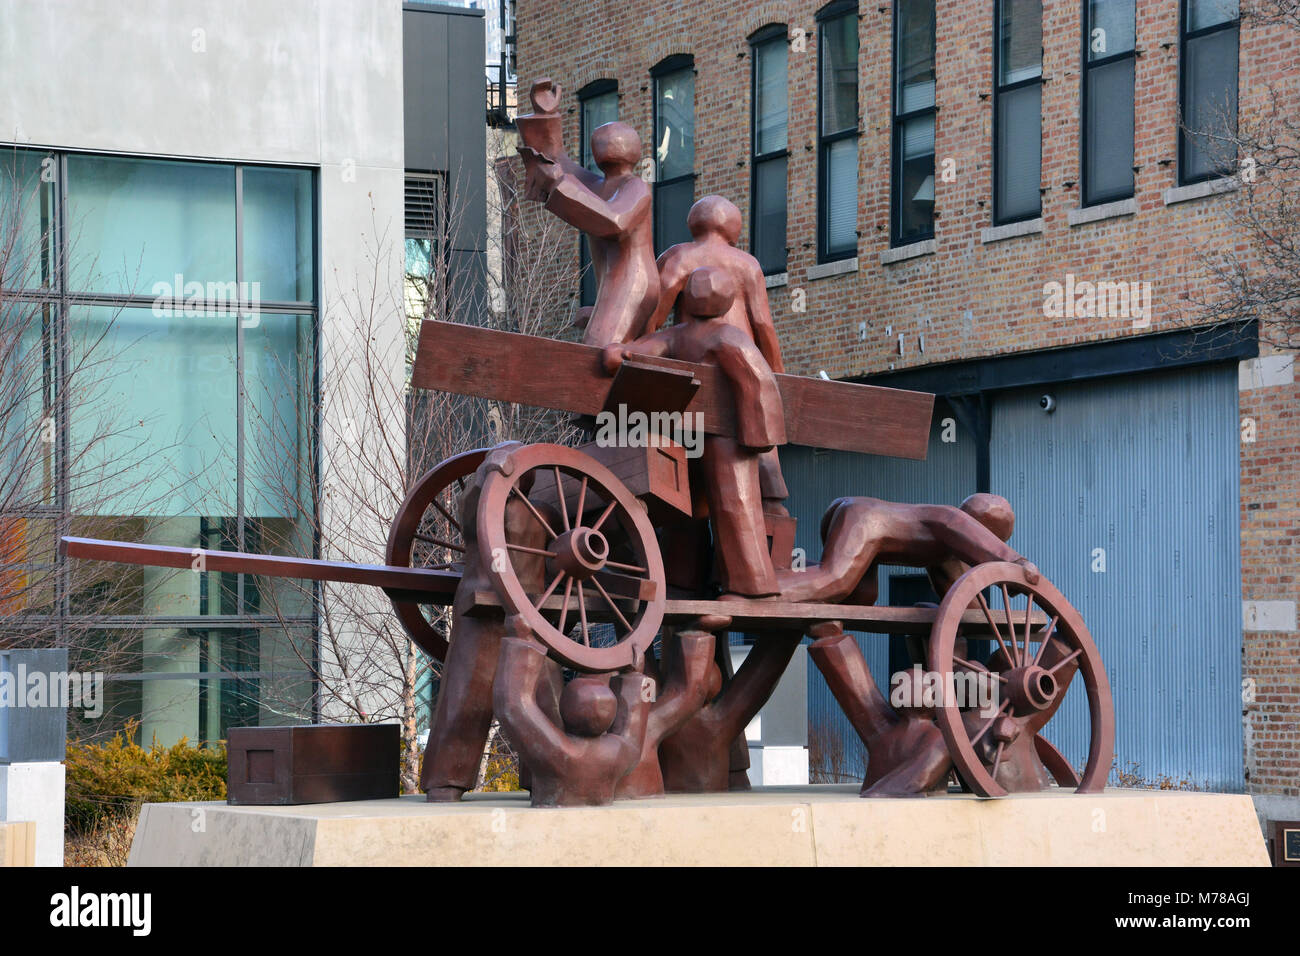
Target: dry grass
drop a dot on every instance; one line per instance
(107, 844)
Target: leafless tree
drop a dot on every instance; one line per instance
(378, 435)
(1257, 275)
(57, 479)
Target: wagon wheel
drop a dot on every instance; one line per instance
(426, 533)
(602, 561)
(1032, 665)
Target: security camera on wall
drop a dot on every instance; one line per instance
(1047, 403)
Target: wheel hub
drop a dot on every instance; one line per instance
(581, 552)
(1031, 688)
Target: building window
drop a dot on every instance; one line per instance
(770, 154)
(914, 113)
(1017, 111)
(674, 149)
(170, 316)
(837, 193)
(1108, 59)
(598, 105)
(1208, 94)
(424, 211)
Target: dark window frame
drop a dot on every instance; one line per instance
(601, 87)
(63, 301)
(1085, 198)
(765, 36)
(1184, 37)
(830, 12)
(899, 120)
(677, 63)
(1000, 90)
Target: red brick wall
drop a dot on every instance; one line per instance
(970, 298)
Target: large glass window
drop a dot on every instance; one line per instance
(1108, 58)
(837, 194)
(914, 114)
(162, 327)
(1206, 146)
(1018, 111)
(770, 121)
(598, 102)
(674, 122)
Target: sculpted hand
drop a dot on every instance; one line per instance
(1030, 569)
(611, 357)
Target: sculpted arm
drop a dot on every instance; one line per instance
(580, 207)
(673, 273)
(514, 698)
(760, 321)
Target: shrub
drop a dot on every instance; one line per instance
(108, 782)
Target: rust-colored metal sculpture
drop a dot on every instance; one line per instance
(612, 207)
(555, 557)
(714, 223)
(581, 762)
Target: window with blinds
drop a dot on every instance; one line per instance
(1017, 111)
(770, 119)
(674, 148)
(914, 112)
(598, 105)
(837, 194)
(1109, 55)
(1208, 94)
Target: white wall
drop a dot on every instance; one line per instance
(302, 82)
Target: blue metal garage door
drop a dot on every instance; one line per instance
(1141, 473)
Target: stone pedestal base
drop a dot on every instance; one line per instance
(827, 825)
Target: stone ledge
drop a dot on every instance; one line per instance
(824, 270)
(1110, 210)
(827, 825)
(1011, 230)
(926, 247)
(1211, 187)
(778, 280)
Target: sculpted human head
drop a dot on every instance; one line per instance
(587, 707)
(714, 215)
(993, 512)
(709, 293)
(615, 146)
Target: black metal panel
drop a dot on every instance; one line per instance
(1141, 353)
(466, 132)
(424, 88)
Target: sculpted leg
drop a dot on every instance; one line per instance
(464, 711)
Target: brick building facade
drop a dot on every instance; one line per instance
(969, 304)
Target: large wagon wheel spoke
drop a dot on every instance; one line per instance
(1033, 683)
(616, 555)
(427, 534)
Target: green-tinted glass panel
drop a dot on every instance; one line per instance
(27, 432)
(278, 241)
(143, 227)
(153, 429)
(27, 180)
(278, 413)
